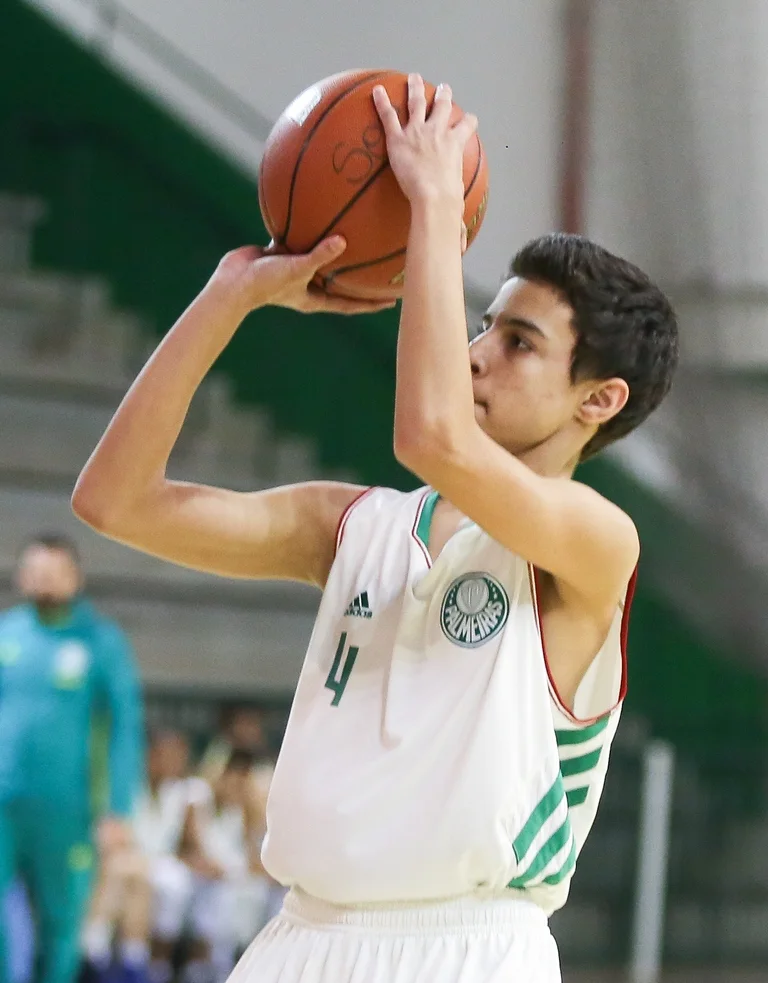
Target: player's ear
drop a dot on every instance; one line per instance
(603, 400)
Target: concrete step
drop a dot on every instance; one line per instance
(25, 512)
(51, 425)
(65, 327)
(236, 434)
(212, 646)
(294, 460)
(18, 217)
(217, 648)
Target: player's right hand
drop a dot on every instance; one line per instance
(254, 277)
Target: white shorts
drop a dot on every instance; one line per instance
(462, 941)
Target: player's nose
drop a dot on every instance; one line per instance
(480, 354)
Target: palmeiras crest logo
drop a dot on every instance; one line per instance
(475, 608)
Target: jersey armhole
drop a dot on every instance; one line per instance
(345, 516)
(623, 636)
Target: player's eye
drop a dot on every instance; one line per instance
(516, 342)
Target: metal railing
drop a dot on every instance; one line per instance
(110, 21)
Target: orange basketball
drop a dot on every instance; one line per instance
(325, 171)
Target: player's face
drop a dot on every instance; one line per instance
(521, 367)
(48, 577)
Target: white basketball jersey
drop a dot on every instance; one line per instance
(427, 754)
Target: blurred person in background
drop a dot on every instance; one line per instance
(222, 844)
(240, 727)
(70, 712)
(243, 728)
(144, 888)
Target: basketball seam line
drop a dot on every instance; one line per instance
(352, 201)
(398, 252)
(360, 266)
(305, 146)
(475, 176)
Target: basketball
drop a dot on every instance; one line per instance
(325, 171)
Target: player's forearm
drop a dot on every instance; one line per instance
(434, 403)
(133, 453)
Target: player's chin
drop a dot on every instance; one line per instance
(481, 413)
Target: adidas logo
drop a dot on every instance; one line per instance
(359, 607)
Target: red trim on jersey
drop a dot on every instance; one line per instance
(533, 574)
(630, 596)
(345, 514)
(419, 510)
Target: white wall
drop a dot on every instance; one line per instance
(679, 143)
(502, 57)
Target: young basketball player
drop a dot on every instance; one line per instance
(450, 733)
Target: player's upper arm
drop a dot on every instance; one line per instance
(281, 533)
(560, 526)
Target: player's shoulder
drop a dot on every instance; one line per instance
(621, 523)
(379, 503)
(327, 508)
(603, 521)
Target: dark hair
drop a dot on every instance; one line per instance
(240, 760)
(625, 326)
(54, 541)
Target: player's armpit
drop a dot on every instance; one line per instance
(559, 525)
(285, 533)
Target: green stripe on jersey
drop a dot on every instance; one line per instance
(570, 863)
(425, 519)
(553, 846)
(575, 766)
(577, 796)
(583, 734)
(549, 802)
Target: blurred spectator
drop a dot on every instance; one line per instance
(70, 709)
(222, 844)
(242, 728)
(144, 890)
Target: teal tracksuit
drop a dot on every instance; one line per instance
(68, 692)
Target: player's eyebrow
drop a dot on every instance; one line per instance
(510, 321)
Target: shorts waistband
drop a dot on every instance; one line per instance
(453, 914)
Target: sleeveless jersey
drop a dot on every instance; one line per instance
(427, 754)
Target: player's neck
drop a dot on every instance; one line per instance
(551, 459)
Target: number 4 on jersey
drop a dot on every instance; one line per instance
(337, 681)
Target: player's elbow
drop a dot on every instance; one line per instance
(93, 506)
(425, 451)
(89, 506)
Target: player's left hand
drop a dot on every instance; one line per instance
(113, 834)
(427, 154)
